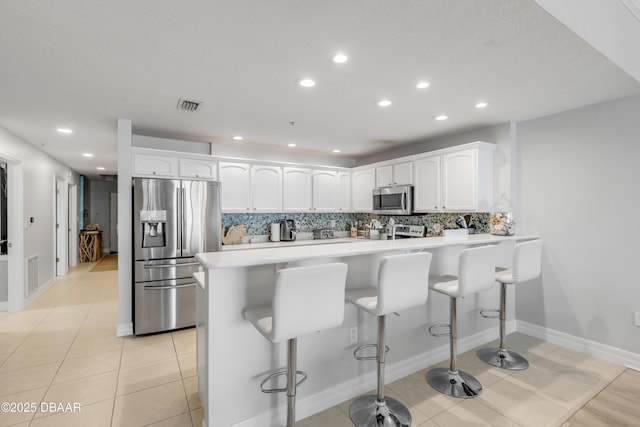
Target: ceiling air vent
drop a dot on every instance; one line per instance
(189, 105)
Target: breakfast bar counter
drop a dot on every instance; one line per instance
(232, 358)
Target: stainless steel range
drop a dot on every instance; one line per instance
(400, 231)
(172, 221)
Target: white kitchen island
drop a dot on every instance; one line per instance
(232, 357)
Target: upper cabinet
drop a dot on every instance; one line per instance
(363, 183)
(343, 198)
(154, 165)
(324, 186)
(250, 188)
(309, 190)
(396, 174)
(235, 187)
(266, 188)
(158, 164)
(196, 168)
(455, 180)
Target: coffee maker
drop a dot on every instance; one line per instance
(287, 230)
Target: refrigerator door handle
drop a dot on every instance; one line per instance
(164, 288)
(179, 199)
(170, 265)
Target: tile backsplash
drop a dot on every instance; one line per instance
(258, 224)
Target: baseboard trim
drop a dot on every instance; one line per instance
(41, 290)
(124, 329)
(4, 306)
(333, 396)
(583, 345)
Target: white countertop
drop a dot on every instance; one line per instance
(282, 244)
(292, 252)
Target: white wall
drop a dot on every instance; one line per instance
(37, 198)
(579, 176)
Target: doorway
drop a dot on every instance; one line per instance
(113, 223)
(61, 228)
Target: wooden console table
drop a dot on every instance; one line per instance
(90, 246)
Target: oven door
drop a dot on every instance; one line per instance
(164, 305)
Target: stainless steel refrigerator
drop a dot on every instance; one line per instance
(172, 221)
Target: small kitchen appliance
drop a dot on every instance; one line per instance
(395, 200)
(287, 230)
(400, 231)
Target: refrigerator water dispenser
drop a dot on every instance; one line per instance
(153, 228)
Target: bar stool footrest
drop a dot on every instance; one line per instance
(363, 346)
(441, 334)
(484, 314)
(503, 358)
(278, 374)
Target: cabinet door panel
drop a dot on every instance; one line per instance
(364, 182)
(235, 186)
(459, 181)
(384, 176)
(154, 165)
(324, 191)
(266, 188)
(296, 189)
(403, 173)
(197, 168)
(344, 191)
(427, 185)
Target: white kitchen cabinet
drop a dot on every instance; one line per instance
(266, 188)
(296, 189)
(427, 189)
(159, 164)
(455, 180)
(396, 174)
(196, 168)
(323, 191)
(236, 186)
(343, 192)
(149, 164)
(363, 182)
(308, 190)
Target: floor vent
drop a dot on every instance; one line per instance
(189, 105)
(32, 275)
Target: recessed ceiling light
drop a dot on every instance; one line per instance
(422, 85)
(100, 168)
(237, 138)
(340, 58)
(306, 82)
(384, 103)
(87, 154)
(441, 117)
(64, 130)
(481, 104)
(291, 145)
(336, 151)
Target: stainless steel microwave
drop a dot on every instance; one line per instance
(396, 200)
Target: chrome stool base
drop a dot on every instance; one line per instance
(367, 411)
(454, 383)
(503, 358)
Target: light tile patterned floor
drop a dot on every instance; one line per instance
(63, 349)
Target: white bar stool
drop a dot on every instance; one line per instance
(305, 300)
(476, 272)
(527, 264)
(402, 283)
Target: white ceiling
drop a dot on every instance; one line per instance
(83, 63)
